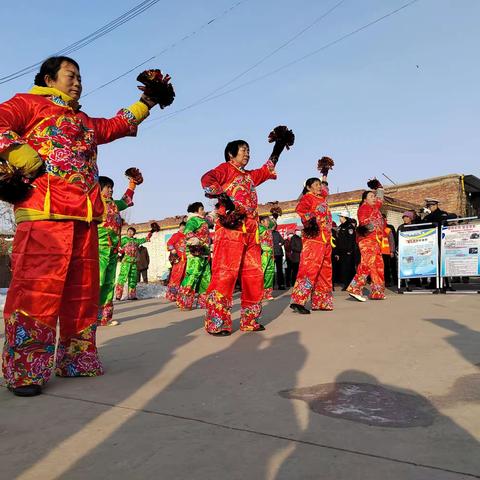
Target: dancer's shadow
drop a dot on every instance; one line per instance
(376, 431)
(202, 424)
(465, 340)
(130, 361)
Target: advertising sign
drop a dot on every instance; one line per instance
(418, 253)
(460, 250)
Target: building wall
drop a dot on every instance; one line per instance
(448, 190)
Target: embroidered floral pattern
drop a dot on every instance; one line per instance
(322, 300)
(218, 316)
(30, 347)
(77, 356)
(242, 191)
(185, 298)
(28, 351)
(249, 316)
(105, 314)
(9, 139)
(377, 292)
(301, 291)
(68, 149)
(357, 284)
(267, 294)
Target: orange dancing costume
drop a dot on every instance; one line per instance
(55, 256)
(314, 277)
(176, 245)
(370, 245)
(237, 251)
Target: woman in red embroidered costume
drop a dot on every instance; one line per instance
(236, 246)
(369, 237)
(314, 278)
(176, 246)
(55, 253)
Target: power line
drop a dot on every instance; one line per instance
(109, 27)
(287, 65)
(273, 52)
(173, 45)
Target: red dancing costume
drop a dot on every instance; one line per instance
(315, 271)
(371, 263)
(55, 251)
(176, 246)
(237, 251)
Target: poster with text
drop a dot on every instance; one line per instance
(460, 250)
(418, 253)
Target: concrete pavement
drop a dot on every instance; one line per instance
(381, 390)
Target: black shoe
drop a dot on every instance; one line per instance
(26, 390)
(299, 308)
(260, 328)
(344, 289)
(223, 333)
(134, 298)
(281, 288)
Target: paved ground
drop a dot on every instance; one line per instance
(381, 390)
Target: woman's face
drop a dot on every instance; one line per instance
(315, 187)
(242, 157)
(201, 212)
(107, 191)
(68, 80)
(370, 198)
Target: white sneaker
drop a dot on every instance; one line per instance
(113, 323)
(360, 298)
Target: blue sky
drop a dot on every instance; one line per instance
(363, 101)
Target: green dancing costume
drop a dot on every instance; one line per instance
(268, 263)
(197, 274)
(128, 269)
(108, 245)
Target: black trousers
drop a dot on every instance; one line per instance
(346, 268)
(295, 266)
(142, 274)
(280, 279)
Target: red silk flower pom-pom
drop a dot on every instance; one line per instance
(135, 174)
(311, 228)
(324, 165)
(157, 86)
(197, 250)
(173, 258)
(373, 184)
(233, 220)
(154, 227)
(13, 185)
(283, 135)
(276, 211)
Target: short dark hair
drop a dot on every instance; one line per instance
(134, 230)
(194, 207)
(182, 224)
(233, 147)
(50, 67)
(310, 181)
(105, 182)
(365, 194)
(266, 217)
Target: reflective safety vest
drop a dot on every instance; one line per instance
(385, 243)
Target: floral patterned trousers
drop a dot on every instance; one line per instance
(371, 264)
(55, 279)
(314, 275)
(236, 254)
(176, 277)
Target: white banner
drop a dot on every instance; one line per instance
(418, 252)
(460, 250)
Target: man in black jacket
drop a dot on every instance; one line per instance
(296, 246)
(345, 250)
(435, 214)
(278, 243)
